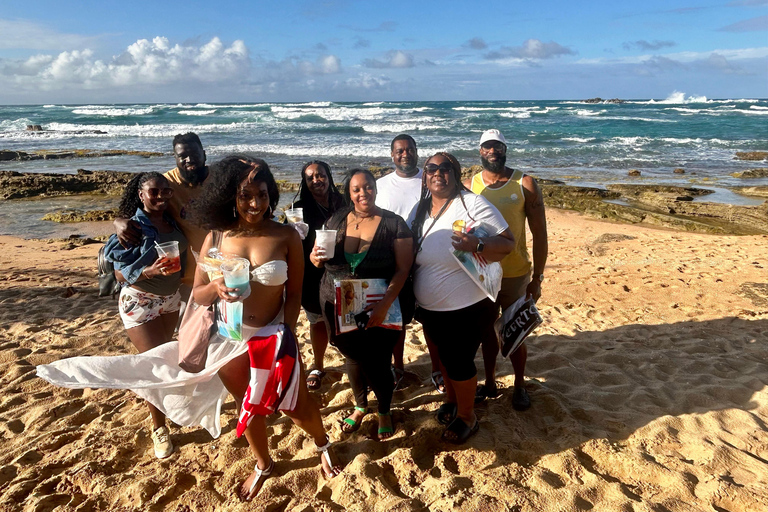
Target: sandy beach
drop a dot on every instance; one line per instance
(648, 379)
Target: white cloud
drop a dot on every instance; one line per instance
(395, 59)
(531, 49)
(330, 64)
(26, 35)
(144, 62)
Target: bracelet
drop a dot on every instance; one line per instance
(143, 272)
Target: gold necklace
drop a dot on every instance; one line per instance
(359, 218)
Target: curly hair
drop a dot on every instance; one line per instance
(130, 201)
(216, 207)
(305, 195)
(425, 202)
(350, 174)
(189, 138)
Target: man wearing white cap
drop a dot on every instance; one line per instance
(518, 197)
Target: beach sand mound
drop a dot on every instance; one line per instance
(648, 383)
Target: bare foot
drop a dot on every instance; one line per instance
(253, 483)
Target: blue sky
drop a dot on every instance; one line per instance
(345, 50)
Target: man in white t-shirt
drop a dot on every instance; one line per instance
(399, 192)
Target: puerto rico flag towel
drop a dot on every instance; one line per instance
(275, 373)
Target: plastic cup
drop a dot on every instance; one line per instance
(170, 252)
(237, 273)
(326, 239)
(294, 215)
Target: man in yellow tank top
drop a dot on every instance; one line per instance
(518, 197)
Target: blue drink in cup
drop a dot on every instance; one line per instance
(236, 274)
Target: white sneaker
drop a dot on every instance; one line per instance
(162, 440)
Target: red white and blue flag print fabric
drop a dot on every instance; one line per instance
(275, 371)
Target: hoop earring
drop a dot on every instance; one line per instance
(234, 211)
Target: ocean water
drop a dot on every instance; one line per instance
(579, 143)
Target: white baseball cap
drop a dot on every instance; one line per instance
(489, 135)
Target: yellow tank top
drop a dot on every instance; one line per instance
(509, 199)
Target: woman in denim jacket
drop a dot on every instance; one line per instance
(149, 299)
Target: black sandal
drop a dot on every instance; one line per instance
(315, 380)
(447, 413)
(461, 430)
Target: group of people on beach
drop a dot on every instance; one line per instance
(401, 228)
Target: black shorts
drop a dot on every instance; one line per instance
(458, 334)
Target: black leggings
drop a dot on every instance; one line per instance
(458, 335)
(369, 354)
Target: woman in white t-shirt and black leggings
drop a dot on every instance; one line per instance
(455, 312)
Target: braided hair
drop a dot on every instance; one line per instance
(305, 195)
(425, 201)
(130, 201)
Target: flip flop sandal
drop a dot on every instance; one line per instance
(323, 451)
(398, 375)
(484, 392)
(258, 479)
(315, 380)
(461, 430)
(386, 432)
(438, 381)
(446, 413)
(348, 425)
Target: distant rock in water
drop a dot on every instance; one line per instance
(601, 100)
(80, 216)
(16, 185)
(752, 173)
(634, 172)
(34, 128)
(751, 155)
(74, 153)
(679, 171)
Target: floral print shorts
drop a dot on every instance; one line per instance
(138, 307)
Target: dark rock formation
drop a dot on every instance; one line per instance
(751, 155)
(659, 205)
(679, 171)
(34, 128)
(634, 172)
(14, 185)
(752, 173)
(81, 216)
(601, 100)
(75, 153)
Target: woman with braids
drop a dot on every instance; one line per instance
(149, 299)
(236, 205)
(456, 314)
(319, 199)
(371, 243)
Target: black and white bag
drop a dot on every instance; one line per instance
(108, 284)
(515, 323)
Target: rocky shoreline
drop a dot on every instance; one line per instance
(42, 154)
(666, 206)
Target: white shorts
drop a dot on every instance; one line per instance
(138, 307)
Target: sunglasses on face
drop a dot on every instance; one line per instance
(444, 168)
(159, 192)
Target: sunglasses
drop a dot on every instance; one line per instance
(444, 168)
(159, 192)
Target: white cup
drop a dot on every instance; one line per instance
(294, 215)
(326, 240)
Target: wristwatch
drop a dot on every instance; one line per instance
(538, 277)
(480, 245)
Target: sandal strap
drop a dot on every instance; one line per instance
(260, 473)
(317, 373)
(323, 451)
(364, 410)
